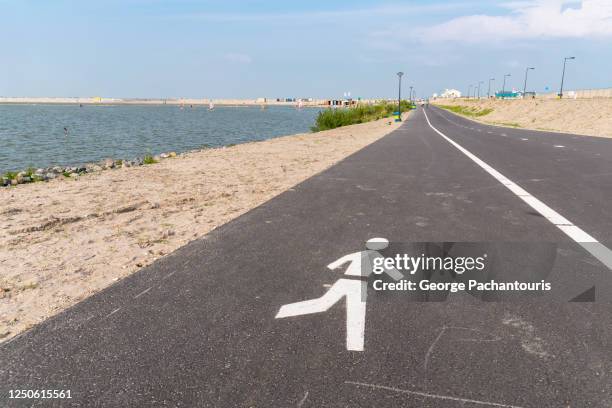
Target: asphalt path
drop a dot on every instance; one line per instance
(198, 327)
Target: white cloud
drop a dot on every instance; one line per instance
(529, 20)
(238, 58)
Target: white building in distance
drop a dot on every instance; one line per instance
(451, 93)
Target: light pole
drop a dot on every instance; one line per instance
(504, 85)
(399, 96)
(525, 85)
(469, 91)
(563, 75)
(489, 90)
(410, 96)
(479, 83)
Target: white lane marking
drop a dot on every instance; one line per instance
(113, 312)
(504, 135)
(522, 138)
(168, 275)
(594, 247)
(559, 146)
(143, 292)
(428, 395)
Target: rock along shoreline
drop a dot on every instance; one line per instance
(33, 175)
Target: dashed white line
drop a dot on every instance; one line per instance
(428, 395)
(559, 146)
(523, 138)
(113, 312)
(590, 244)
(142, 293)
(168, 275)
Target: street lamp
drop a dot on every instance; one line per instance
(489, 90)
(410, 96)
(504, 85)
(399, 96)
(469, 91)
(479, 82)
(563, 75)
(525, 85)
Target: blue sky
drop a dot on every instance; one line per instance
(215, 49)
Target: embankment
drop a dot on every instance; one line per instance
(591, 117)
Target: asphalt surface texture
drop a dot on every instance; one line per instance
(198, 327)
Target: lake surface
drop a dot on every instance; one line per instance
(33, 135)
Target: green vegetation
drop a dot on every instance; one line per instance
(472, 111)
(333, 118)
(148, 159)
(66, 174)
(11, 175)
(509, 124)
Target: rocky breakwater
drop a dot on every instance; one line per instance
(32, 175)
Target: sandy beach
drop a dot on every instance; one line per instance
(63, 240)
(592, 117)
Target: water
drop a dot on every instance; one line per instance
(33, 135)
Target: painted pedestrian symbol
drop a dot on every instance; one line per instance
(355, 290)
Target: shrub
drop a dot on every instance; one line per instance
(333, 118)
(11, 175)
(148, 159)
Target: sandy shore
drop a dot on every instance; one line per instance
(63, 240)
(592, 117)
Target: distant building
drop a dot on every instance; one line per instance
(451, 93)
(507, 95)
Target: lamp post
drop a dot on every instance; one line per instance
(563, 75)
(504, 85)
(399, 96)
(479, 83)
(469, 91)
(489, 90)
(525, 85)
(410, 95)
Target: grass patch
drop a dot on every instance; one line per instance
(334, 118)
(148, 159)
(11, 175)
(509, 124)
(471, 111)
